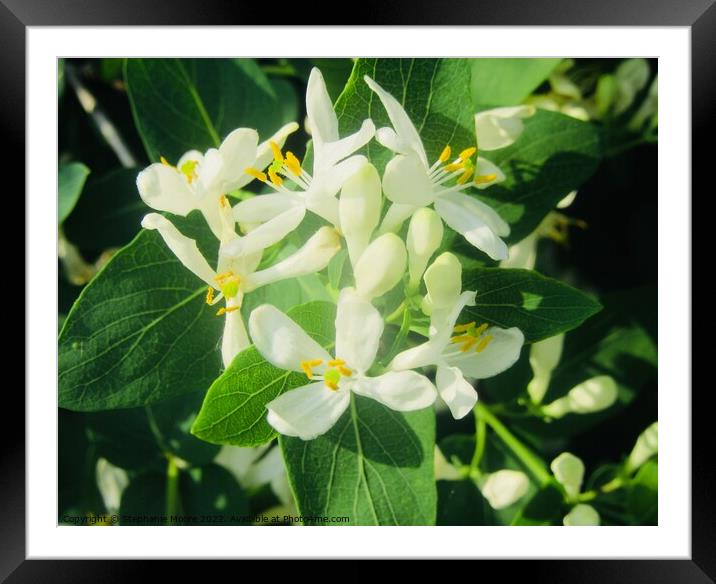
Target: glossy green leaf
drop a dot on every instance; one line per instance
(234, 410)
(540, 307)
(140, 332)
(642, 501)
(192, 104)
(501, 82)
(70, 180)
(375, 467)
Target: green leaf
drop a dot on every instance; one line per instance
(546, 507)
(375, 467)
(500, 82)
(187, 104)
(539, 306)
(555, 155)
(434, 92)
(234, 410)
(109, 213)
(71, 178)
(642, 501)
(140, 332)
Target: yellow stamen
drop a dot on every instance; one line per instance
(222, 311)
(209, 295)
(481, 329)
(453, 166)
(467, 345)
(219, 277)
(256, 173)
(276, 151)
(293, 163)
(343, 370)
(461, 338)
(164, 161)
(307, 366)
(481, 179)
(483, 344)
(463, 327)
(467, 153)
(334, 362)
(275, 179)
(331, 384)
(464, 177)
(445, 154)
(223, 201)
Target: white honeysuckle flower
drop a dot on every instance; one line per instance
(381, 266)
(199, 181)
(647, 445)
(411, 182)
(462, 350)
(581, 515)
(443, 281)
(504, 487)
(313, 409)
(425, 233)
(500, 127)
(111, 482)
(239, 257)
(593, 395)
(569, 472)
(332, 165)
(544, 357)
(359, 210)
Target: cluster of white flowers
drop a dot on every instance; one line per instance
(378, 256)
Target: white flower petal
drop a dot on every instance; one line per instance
(183, 247)
(443, 281)
(544, 357)
(359, 327)
(332, 152)
(323, 120)
(307, 412)
(500, 127)
(381, 266)
(281, 341)
(523, 254)
(268, 233)
(262, 208)
(484, 169)
(164, 188)
(359, 209)
(209, 182)
(395, 217)
(472, 227)
(238, 152)
(647, 445)
(444, 471)
(581, 515)
(406, 181)
(265, 469)
(329, 182)
(425, 233)
(402, 124)
(475, 207)
(504, 487)
(593, 395)
(312, 257)
(457, 393)
(264, 154)
(500, 354)
(235, 338)
(403, 391)
(569, 472)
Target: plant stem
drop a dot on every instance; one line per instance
(400, 337)
(613, 485)
(397, 313)
(480, 439)
(172, 492)
(530, 460)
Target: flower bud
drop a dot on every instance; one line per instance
(443, 280)
(647, 445)
(359, 209)
(594, 395)
(425, 233)
(569, 472)
(581, 515)
(504, 487)
(544, 357)
(500, 127)
(381, 266)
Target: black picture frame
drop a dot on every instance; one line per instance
(699, 15)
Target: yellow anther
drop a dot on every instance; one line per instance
(467, 345)
(223, 201)
(343, 370)
(459, 328)
(481, 329)
(275, 178)
(256, 173)
(293, 163)
(453, 166)
(164, 161)
(334, 362)
(314, 362)
(464, 177)
(461, 338)
(467, 153)
(307, 366)
(219, 277)
(481, 179)
(275, 148)
(483, 344)
(445, 154)
(330, 384)
(209, 295)
(223, 310)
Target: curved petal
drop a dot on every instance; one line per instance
(183, 247)
(499, 127)
(267, 234)
(264, 153)
(404, 128)
(262, 208)
(307, 412)
(406, 181)
(359, 327)
(329, 182)
(359, 209)
(427, 353)
(457, 393)
(238, 152)
(403, 391)
(381, 266)
(504, 487)
(164, 188)
(582, 514)
(281, 341)
(485, 169)
(319, 108)
(332, 152)
(210, 175)
(235, 338)
(471, 226)
(485, 213)
(395, 217)
(500, 354)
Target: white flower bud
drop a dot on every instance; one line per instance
(111, 482)
(425, 233)
(500, 127)
(444, 471)
(569, 472)
(443, 280)
(581, 515)
(647, 445)
(544, 357)
(381, 266)
(594, 395)
(359, 209)
(504, 487)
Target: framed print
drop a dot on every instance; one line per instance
(395, 291)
